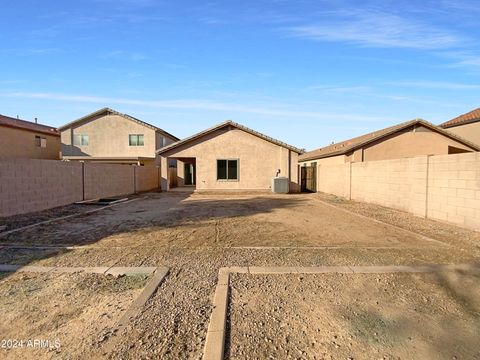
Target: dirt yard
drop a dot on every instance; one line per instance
(71, 313)
(195, 235)
(362, 316)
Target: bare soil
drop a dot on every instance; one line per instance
(442, 231)
(195, 235)
(73, 312)
(361, 316)
(18, 221)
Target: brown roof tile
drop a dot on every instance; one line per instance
(27, 125)
(469, 117)
(350, 145)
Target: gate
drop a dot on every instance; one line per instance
(309, 178)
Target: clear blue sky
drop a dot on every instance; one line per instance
(305, 72)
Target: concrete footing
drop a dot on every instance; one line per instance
(215, 342)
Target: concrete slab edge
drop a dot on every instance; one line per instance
(104, 270)
(134, 310)
(216, 333)
(215, 341)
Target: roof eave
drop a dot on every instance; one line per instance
(220, 126)
(393, 131)
(44, 132)
(445, 125)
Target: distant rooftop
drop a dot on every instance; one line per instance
(350, 145)
(27, 125)
(108, 111)
(469, 117)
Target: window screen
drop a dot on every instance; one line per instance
(232, 169)
(221, 169)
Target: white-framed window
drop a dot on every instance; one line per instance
(80, 140)
(135, 140)
(228, 169)
(40, 141)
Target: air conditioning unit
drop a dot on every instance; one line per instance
(280, 185)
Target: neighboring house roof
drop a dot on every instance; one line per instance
(108, 111)
(225, 124)
(471, 116)
(348, 146)
(27, 125)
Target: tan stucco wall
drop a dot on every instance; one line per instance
(17, 143)
(468, 132)
(409, 144)
(109, 137)
(259, 160)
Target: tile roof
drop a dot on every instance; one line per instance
(466, 118)
(27, 125)
(350, 145)
(236, 125)
(108, 111)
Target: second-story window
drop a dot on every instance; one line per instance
(40, 141)
(135, 139)
(80, 140)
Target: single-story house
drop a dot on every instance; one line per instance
(26, 139)
(408, 139)
(108, 136)
(229, 156)
(466, 126)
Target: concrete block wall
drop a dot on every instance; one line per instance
(454, 189)
(28, 185)
(104, 180)
(334, 179)
(441, 187)
(147, 178)
(399, 183)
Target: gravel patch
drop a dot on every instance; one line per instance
(74, 312)
(338, 316)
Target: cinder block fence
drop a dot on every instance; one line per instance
(28, 185)
(441, 187)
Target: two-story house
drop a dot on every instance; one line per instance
(112, 137)
(26, 139)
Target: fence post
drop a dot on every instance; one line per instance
(427, 175)
(350, 182)
(83, 181)
(134, 179)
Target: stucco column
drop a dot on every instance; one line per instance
(165, 183)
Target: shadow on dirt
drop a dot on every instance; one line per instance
(443, 324)
(155, 212)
